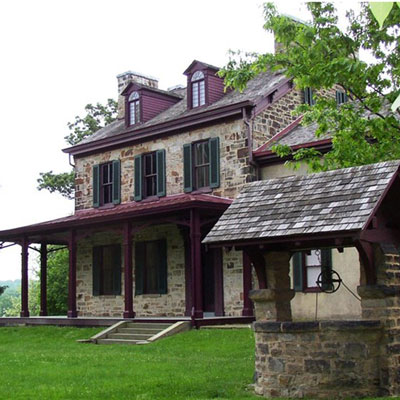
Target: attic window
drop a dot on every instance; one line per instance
(198, 89)
(134, 108)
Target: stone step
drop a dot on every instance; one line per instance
(118, 341)
(138, 330)
(159, 326)
(128, 336)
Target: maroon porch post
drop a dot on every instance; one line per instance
(127, 241)
(197, 273)
(72, 313)
(247, 303)
(24, 278)
(43, 279)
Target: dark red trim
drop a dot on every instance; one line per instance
(269, 157)
(264, 147)
(219, 282)
(129, 136)
(188, 272)
(197, 271)
(24, 278)
(247, 278)
(72, 311)
(128, 284)
(43, 280)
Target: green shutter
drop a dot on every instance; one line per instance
(140, 248)
(309, 96)
(163, 269)
(214, 162)
(96, 269)
(337, 97)
(160, 158)
(187, 168)
(298, 272)
(326, 269)
(117, 269)
(116, 185)
(138, 178)
(96, 185)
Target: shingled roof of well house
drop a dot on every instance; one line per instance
(256, 89)
(340, 200)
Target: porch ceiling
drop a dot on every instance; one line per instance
(56, 231)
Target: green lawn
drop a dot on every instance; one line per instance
(48, 363)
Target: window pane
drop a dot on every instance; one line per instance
(314, 258)
(202, 95)
(137, 111)
(312, 276)
(197, 76)
(134, 96)
(195, 94)
(132, 113)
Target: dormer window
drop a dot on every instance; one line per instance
(198, 89)
(134, 108)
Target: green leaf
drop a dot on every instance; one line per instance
(380, 11)
(396, 104)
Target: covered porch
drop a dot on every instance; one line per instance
(192, 216)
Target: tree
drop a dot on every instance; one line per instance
(97, 116)
(319, 55)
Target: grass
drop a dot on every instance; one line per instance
(48, 363)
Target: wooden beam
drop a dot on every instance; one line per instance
(258, 262)
(24, 278)
(43, 280)
(366, 253)
(197, 272)
(72, 311)
(128, 284)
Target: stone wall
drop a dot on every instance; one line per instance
(171, 304)
(233, 162)
(335, 359)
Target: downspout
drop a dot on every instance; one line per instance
(69, 161)
(247, 119)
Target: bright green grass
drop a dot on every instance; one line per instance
(48, 363)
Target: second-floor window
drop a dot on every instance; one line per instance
(309, 96)
(106, 183)
(198, 89)
(341, 97)
(149, 179)
(201, 165)
(134, 108)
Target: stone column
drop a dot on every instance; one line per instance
(273, 303)
(382, 302)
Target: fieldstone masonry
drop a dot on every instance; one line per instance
(333, 359)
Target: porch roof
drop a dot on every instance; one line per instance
(132, 210)
(337, 204)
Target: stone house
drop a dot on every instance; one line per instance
(152, 184)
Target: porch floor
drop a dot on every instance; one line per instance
(108, 321)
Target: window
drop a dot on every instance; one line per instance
(106, 183)
(309, 96)
(341, 97)
(134, 108)
(149, 175)
(307, 266)
(201, 164)
(107, 270)
(151, 267)
(198, 89)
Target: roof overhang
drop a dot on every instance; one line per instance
(157, 211)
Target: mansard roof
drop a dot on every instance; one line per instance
(179, 116)
(344, 200)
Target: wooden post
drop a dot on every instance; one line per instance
(219, 282)
(72, 312)
(24, 278)
(128, 290)
(197, 273)
(247, 303)
(43, 280)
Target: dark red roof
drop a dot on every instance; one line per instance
(96, 216)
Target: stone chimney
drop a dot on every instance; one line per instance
(130, 76)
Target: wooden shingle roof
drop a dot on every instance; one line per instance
(334, 201)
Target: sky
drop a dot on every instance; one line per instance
(58, 56)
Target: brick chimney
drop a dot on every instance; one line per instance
(130, 76)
